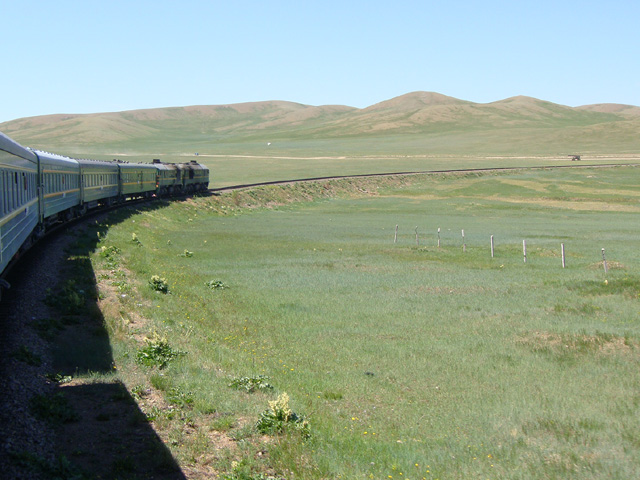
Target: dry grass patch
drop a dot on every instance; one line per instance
(577, 205)
(536, 186)
(568, 343)
(611, 265)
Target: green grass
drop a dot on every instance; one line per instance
(408, 361)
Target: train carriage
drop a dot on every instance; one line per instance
(60, 177)
(169, 180)
(195, 177)
(99, 183)
(137, 180)
(18, 197)
(200, 176)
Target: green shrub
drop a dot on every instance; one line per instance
(159, 284)
(136, 240)
(58, 377)
(158, 354)
(251, 384)
(242, 471)
(178, 397)
(279, 417)
(109, 252)
(69, 299)
(216, 285)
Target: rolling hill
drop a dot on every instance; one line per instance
(411, 123)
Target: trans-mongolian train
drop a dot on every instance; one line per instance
(39, 190)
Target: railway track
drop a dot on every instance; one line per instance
(418, 172)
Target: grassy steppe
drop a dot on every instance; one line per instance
(275, 140)
(410, 361)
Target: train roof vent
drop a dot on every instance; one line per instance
(157, 160)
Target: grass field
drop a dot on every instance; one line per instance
(409, 361)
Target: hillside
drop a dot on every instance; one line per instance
(417, 122)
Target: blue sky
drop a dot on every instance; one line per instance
(90, 56)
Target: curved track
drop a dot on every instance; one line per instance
(419, 172)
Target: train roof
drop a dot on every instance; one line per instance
(86, 163)
(9, 145)
(54, 158)
(165, 166)
(127, 166)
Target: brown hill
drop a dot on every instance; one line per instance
(617, 108)
(415, 101)
(426, 120)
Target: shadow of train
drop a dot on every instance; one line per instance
(89, 427)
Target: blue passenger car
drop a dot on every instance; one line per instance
(61, 184)
(99, 183)
(137, 180)
(18, 197)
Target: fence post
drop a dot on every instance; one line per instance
(438, 237)
(417, 241)
(464, 245)
(524, 250)
(491, 246)
(604, 262)
(395, 237)
(563, 257)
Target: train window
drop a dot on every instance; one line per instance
(10, 193)
(2, 200)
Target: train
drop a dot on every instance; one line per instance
(39, 190)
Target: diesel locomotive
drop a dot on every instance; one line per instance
(39, 190)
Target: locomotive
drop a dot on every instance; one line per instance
(39, 190)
